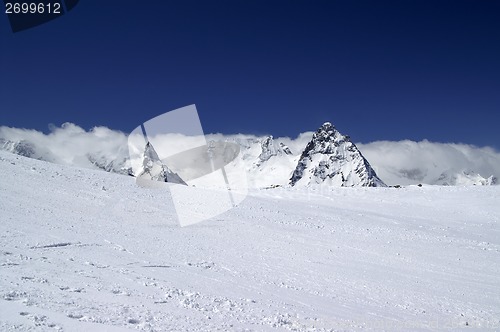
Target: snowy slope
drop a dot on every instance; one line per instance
(88, 250)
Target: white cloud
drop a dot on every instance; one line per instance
(404, 162)
(69, 144)
(408, 162)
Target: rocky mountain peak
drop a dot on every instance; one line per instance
(327, 133)
(463, 178)
(285, 148)
(327, 126)
(154, 169)
(270, 149)
(331, 158)
(150, 156)
(23, 147)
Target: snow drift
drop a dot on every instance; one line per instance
(86, 250)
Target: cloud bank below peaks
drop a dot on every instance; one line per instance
(408, 162)
(402, 162)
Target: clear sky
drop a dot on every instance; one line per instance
(378, 70)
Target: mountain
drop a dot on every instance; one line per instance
(285, 148)
(22, 148)
(154, 169)
(332, 158)
(270, 149)
(271, 161)
(119, 165)
(25, 148)
(110, 160)
(464, 178)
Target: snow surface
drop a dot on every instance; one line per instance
(88, 250)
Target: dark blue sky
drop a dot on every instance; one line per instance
(376, 69)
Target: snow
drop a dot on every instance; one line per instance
(85, 250)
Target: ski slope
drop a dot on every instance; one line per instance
(85, 250)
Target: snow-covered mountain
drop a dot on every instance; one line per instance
(25, 148)
(270, 149)
(96, 155)
(271, 161)
(103, 162)
(332, 158)
(464, 178)
(154, 169)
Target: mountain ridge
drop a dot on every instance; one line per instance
(269, 161)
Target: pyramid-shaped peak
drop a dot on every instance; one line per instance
(326, 129)
(150, 153)
(327, 126)
(154, 169)
(268, 140)
(328, 133)
(149, 147)
(332, 158)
